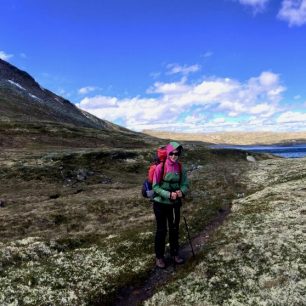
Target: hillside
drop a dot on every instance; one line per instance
(235, 138)
(33, 117)
(23, 99)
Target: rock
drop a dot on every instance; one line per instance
(81, 177)
(250, 158)
(82, 174)
(2, 203)
(105, 180)
(54, 196)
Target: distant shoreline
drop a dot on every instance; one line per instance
(288, 151)
(236, 138)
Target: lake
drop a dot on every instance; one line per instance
(287, 151)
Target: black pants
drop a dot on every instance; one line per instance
(166, 214)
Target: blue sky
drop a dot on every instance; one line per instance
(187, 66)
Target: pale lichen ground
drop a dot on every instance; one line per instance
(258, 256)
(90, 238)
(40, 273)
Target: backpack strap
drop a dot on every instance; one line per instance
(180, 172)
(164, 170)
(151, 172)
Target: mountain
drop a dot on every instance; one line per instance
(31, 115)
(22, 98)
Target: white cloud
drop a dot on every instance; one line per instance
(23, 55)
(268, 78)
(86, 90)
(293, 11)
(133, 111)
(174, 88)
(5, 56)
(197, 102)
(253, 2)
(214, 88)
(184, 70)
(219, 120)
(263, 109)
(292, 117)
(195, 119)
(98, 102)
(266, 86)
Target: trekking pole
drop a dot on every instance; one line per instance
(189, 237)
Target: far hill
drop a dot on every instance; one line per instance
(31, 115)
(235, 138)
(23, 99)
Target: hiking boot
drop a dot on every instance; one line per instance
(178, 260)
(160, 263)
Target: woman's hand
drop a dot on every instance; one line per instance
(179, 193)
(173, 195)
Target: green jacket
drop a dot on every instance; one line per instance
(169, 179)
(170, 183)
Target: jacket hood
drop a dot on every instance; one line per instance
(173, 146)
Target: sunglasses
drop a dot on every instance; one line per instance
(174, 153)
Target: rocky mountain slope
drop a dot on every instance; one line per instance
(22, 98)
(34, 117)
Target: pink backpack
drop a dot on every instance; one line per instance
(161, 157)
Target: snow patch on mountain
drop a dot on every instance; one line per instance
(58, 100)
(16, 84)
(34, 97)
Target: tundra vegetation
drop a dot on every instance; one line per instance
(258, 256)
(75, 229)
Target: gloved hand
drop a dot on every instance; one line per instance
(173, 195)
(179, 193)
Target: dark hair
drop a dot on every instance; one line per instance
(179, 150)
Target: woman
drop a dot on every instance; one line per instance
(170, 185)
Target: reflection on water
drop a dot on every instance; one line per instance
(294, 151)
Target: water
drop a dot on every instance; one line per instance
(292, 151)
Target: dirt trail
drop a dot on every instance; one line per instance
(135, 295)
